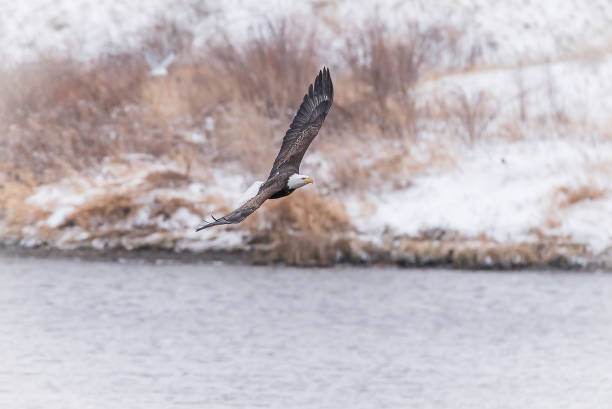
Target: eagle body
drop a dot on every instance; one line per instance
(285, 175)
(282, 193)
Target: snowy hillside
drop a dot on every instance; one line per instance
(509, 145)
(506, 31)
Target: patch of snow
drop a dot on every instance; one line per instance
(503, 31)
(59, 215)
(62, 199)
(503, 191)
(570, 87)
(209, 123)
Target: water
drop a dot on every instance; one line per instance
(109, 335)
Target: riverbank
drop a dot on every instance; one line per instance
(447, 144)
(406, 253)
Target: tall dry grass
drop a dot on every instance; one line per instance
(59, 113)
(230, 103)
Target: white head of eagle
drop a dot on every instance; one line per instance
(296, 181)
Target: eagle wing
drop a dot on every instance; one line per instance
(306, 124)
(270, 187)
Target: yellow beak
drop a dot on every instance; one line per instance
(308, 180)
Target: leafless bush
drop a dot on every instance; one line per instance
(271, 67)
(473, 113)
(387, 67)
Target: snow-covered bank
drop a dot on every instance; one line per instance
(480, 138)
(501, 205)
(510, 193)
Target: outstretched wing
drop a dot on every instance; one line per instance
(306, 124)
(270, 187)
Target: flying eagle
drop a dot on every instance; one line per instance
(285, 175)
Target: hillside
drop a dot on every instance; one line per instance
(472, 133)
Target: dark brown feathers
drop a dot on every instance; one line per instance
(266, 190)
(306, 123)
(302, 131)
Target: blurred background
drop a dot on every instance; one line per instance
(471, 133)
(474, 134)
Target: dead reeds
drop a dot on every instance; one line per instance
(228, 105)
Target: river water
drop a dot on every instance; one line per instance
(77, 334)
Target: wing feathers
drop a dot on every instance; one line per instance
(270, 187)
(306, 123)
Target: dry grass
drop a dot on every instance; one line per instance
(106, 210)
(12, 197)
(270, 69)
(473, 113)
(386, 69)
(302, 229)
(60, 117)
(569, 196)
(484, 253)
(167, 179)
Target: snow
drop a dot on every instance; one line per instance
(555, 54)
(61, 200)
(504, 31)
(509, 193)
(506, 192)
(581, 88)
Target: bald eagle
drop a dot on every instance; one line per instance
(285, 175)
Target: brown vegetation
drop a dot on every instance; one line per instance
(569, 196)
(229, 104)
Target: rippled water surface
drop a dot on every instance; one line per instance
(109, 335)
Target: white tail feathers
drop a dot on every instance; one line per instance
(250, 193)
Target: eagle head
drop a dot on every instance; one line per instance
(296, 181)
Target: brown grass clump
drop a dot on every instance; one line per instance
(569, 196)
(104, 211)
(484, 253)
(165, 207)
(13, 211)
(302, 229)
(167, 179)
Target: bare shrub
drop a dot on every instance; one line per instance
(389, 66)
(473, 113)
(271, 67)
